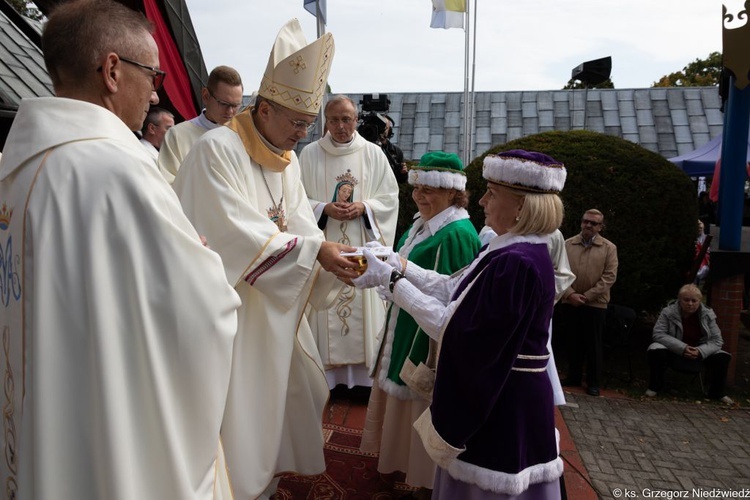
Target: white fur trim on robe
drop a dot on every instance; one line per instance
(502, 482)
(446, 456)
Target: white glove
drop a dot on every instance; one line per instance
(384, 293)
(394, 259)
(378, 272)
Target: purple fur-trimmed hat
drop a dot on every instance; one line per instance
(525, 171)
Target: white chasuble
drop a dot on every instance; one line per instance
(277, 393)
(358, 171)
(177, 143)
(117, 323)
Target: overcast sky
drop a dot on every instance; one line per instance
(388, 46)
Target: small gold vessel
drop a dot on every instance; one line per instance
(361, 261)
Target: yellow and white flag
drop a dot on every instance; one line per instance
(448, 13)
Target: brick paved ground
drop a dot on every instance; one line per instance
(659, 445)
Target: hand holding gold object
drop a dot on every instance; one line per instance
(361, 261)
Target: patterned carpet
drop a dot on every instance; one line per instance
(350, 474)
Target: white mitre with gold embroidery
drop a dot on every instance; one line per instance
(297, 73)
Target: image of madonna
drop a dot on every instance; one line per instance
(343, 192)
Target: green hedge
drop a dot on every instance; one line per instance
(649, 206)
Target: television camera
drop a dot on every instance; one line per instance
(372, 118)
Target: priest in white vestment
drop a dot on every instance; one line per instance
(222, 98)
(117, 323)
(157, 123)
(150, 149)
(354, 196)
(240, 185)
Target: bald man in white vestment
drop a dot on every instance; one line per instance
(117, 323)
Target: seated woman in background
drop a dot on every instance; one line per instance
(490, 427)
(687, 338)
(443, 239)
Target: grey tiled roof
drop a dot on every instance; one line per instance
(669, 121)
(22, 70)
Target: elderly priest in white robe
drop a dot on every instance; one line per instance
(354, 196)
(117, 323)
(241, 187)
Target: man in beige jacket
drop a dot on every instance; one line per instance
(583, 309)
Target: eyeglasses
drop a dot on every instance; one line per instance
(336, 121)
(157, 79)
(591, 222)
(228, 105)
(299, 125)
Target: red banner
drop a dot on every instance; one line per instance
(177, 83)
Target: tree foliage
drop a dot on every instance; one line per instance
(699, 73)
(26, 8)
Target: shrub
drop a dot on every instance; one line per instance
(649, 205)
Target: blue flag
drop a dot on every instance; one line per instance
(310, 6)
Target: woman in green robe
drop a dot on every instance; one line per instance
(441, 238)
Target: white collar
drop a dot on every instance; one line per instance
(429, 228)
(508, 239)
(437, 222)
(337, 144)
(342, 149)
(202, 121)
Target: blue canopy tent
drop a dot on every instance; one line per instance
(701, 162)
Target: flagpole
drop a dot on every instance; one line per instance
(467, 106)
(319, 19)
(473, 80)
(321, 31)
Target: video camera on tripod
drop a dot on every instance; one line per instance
(372, 123)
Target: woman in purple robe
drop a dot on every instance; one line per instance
(490, 427)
